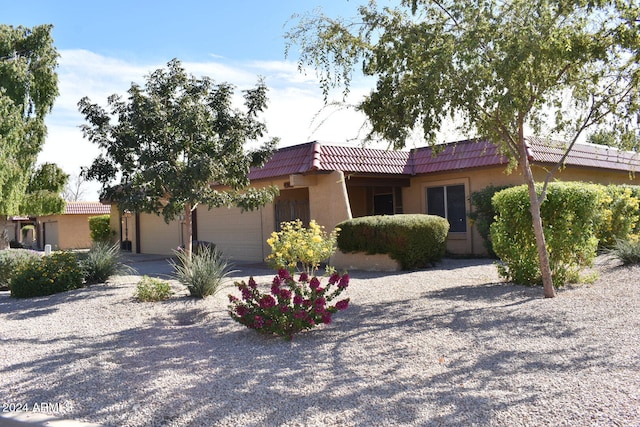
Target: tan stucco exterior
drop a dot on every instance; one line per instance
(66, 231)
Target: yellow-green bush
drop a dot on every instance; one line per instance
(570, 217)
(619, 213)
(414, 240)
(47, 275)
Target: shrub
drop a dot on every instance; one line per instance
(483, 214)
(569, 217)
(414, 240)
(11, 260)
(152, 289)
(295, 245)
(58, 272)
(103, 261)
(203, 273)
(100, 228)
(619, 214)
(627, 251)
(291, 306)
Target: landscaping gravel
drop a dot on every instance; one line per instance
(446, 346)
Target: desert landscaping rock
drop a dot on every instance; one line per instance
(446, 346)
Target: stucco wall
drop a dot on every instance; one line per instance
(72, 231)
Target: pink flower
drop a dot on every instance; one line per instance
(334, 278)
(233, 298)
(326, 318)
(283, 273)
(341, 305)
(258, 322)
(267, 301)
(284, 309)
(297, 299)
(304, 277)
(241, 310)
(315, 283)
(285, 294)
(344, 281)
(246, 294)
(277, 280)
(320, 302)
(252, 283)
(299, 315)
(275, 289)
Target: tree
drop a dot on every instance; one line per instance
(173, 139)
(625, 139)
(74, 190)
(43, 194)
(503, 67)
(28, 88)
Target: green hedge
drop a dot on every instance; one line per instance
(570, 216)
(483, 213)
(619, 213)
(100, 228)
(10, 262)
(414, 241)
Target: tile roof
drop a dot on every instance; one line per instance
(86, 208)
(315, 156)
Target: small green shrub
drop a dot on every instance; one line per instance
(627, 251)
(483, 214)
(151, 289)
(414, 240)
(103, 261)
(10, 262)
(569, 216)
(58, 272)
(100, 228)
(296, 245)
(203, 273)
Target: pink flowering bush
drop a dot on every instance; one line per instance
(291, 306)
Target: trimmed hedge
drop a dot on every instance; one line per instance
(414, 240)
(570, 218)
(100, 228)
(483, 213)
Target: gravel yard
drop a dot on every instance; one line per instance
(447, 346)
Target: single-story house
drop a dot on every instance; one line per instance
(70, 229)
(331, 183)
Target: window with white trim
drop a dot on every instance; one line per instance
(449, 201)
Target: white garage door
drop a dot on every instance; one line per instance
(237, 234)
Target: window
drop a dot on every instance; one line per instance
(449, 202)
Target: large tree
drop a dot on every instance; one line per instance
(503, 68)
(179, 142)
(43, 195)
(28, 88)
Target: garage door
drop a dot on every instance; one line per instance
(158, 237)
(51, 234)
(237, 234)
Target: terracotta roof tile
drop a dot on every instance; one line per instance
(86, 208)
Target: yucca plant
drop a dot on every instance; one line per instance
(203, 272)
(103, 261)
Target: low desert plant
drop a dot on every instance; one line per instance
(203, 273)
(152, 289)
(627, 251)
(47, 275)
(11, 260)
(291, 306)
(103, 261)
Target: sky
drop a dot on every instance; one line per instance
(105, 46)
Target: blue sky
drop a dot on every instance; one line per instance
(104, 46)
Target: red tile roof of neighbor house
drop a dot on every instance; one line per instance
(86, 208)
(315, 156)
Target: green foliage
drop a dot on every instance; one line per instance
(11, 260)
(58, 272)
(103, 261)
(28, 88)
(100, 228)
(169, 140)
(570, 217)
(627, 251)
(413, 240)
(151, 289)
(291, 306)
(43, 191)
(483, 214)
(620, 215)
(295, 244)
(203, 273)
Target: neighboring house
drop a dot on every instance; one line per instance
(331, 183)
(69, 230)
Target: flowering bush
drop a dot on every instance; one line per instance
(295, 245)
(46, 275)
(291, 306)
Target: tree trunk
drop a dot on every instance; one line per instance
(4, 233)
(543, 254)
(188, 246)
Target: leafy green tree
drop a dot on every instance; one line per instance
(43, 194)
(554, 67)
(623, 139)
(172, 139)
(28, 88)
